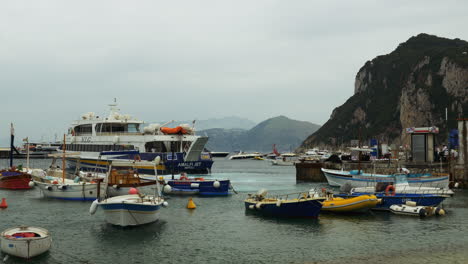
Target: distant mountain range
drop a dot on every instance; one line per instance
(229, 122)
(286, 133)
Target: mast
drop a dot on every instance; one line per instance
(63, 159)
(12, 138)
(27, 152)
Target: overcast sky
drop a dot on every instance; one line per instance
(198, 59)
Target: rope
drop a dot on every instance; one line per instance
(232, 188)
(133, 217)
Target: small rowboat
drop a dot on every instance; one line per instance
(288, 205)
(25, 241)
(356, 204)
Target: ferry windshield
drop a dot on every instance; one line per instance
(117, 128)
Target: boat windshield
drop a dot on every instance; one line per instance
(401, 178)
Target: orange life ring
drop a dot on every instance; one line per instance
(199, 179)
(184, 178)
(390, 190)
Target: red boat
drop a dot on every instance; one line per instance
(14, 180)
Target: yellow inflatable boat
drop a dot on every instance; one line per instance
(357, 204)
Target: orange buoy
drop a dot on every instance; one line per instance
(191, 204)
(4, 204)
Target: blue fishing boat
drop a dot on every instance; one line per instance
(201, 186)
(398, 191)
(288, 205)
(420, 199)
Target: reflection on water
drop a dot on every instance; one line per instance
(220, 230)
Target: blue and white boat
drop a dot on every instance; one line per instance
(132, 209)
(194, 186)
(126, 138)
(288, 205)
(361, 179)
(398, 191)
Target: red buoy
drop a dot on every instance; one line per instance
(4, 204)
(133, 191)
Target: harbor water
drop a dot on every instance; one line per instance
(221, 231)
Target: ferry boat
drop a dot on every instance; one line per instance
(103, 139)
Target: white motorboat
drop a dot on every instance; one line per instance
(132, 209)
(243, 155)
(25, 241)
(285, 159)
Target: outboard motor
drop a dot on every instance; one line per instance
(346, 188)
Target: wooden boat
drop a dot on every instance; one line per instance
(288, 205)
(13, 178)
(360, 203)
(410, 208)
(132, 209)
(25, 241)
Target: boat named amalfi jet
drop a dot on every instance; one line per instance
(117, 136)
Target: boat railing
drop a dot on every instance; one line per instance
(298, 195)
(119, 133)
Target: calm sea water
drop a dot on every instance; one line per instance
(220, 231)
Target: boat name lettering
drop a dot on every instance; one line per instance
(189, 164)
(85, 139)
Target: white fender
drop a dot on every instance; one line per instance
(195, 185)
(251, 206)
(167, 188)
(278, 203)
(216, 184)
(165, 204)
(31, 184)
(258, 206)
(93, 207)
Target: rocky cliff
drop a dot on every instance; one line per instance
(410, 87)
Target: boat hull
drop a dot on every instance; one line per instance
(361, 203)
(126, 214)
(204, 188)
(176, 166)
(297, 208)
(401, 198)
(14, 180)
(25, 247)
(282, 163)
(72, 192)
(338, 178)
